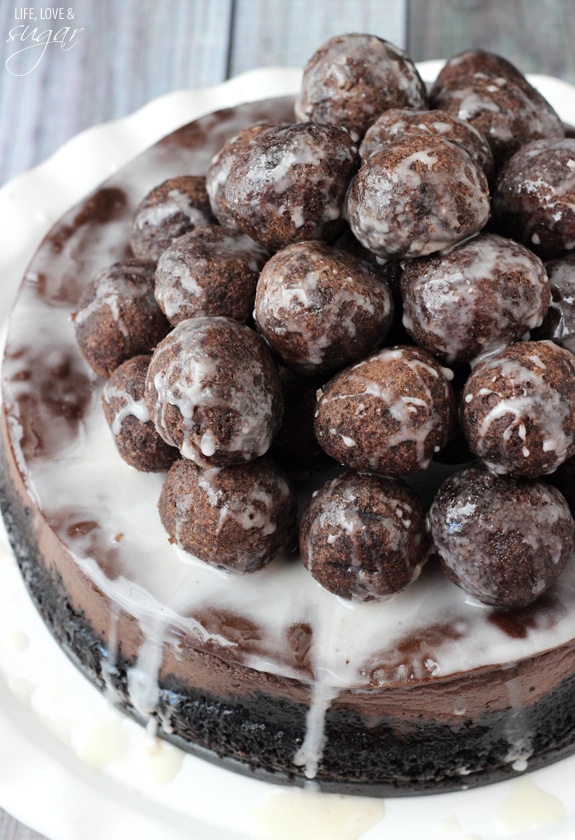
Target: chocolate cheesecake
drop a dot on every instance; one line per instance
(267, 673)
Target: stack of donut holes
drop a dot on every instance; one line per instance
(377, 293)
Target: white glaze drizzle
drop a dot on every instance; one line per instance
(179, 203)
(130, 407)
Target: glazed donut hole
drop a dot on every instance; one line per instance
(388, 414)
(221, 166)
(464, 66)
(289, 183)
(416, 196)
(320, 308)
(395, 123)
(559, 322)
(534, 198)
(496, 98)
(504, 541)
(171, 209)
(128, 417)
(237, 519)
(482, 295)
(117, 316)
(213, 391)
(518, 409)
(352, 78)
(210, 271)
(364, 537)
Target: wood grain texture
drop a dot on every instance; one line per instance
(127, 53)
(10, 829)
(276, 32)
(536, 35)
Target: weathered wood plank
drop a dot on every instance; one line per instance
(536, 35)
(12, 830)
(126, 54)
(276, 32)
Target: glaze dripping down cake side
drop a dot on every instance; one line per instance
(365, 661)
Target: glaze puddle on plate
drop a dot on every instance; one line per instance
(307, 815)
(527, 808)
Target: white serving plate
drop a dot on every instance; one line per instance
(72, 767)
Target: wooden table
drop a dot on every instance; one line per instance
(128, 52)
